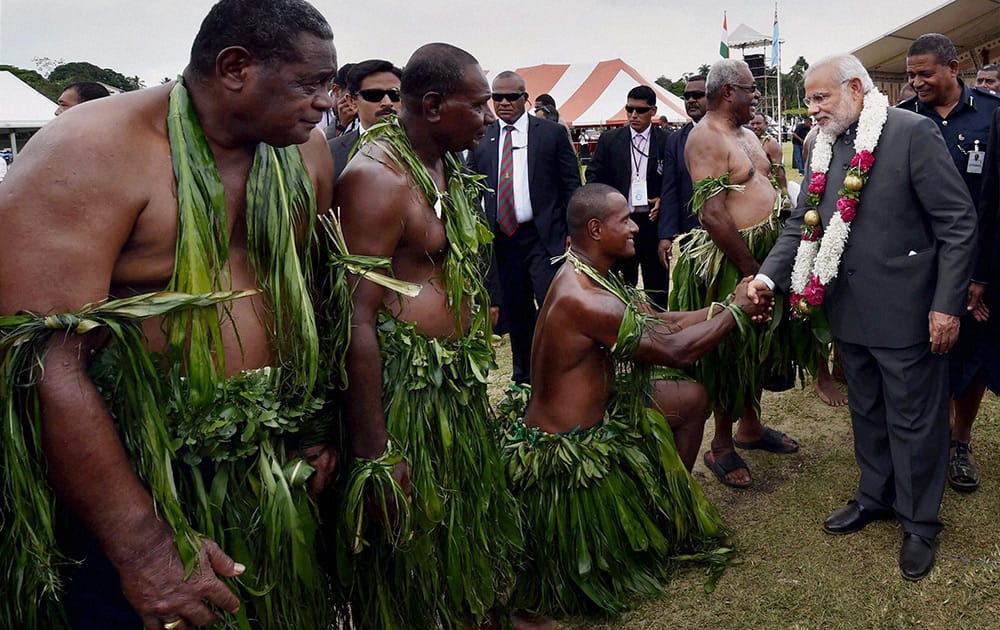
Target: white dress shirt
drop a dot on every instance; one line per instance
(639, 160)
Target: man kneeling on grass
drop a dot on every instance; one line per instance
(600, 462)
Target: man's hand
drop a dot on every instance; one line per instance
(401, 473)
(323, 459)
(664, 251)
(755, 301)
(654, 208)
(756, 289)
(976, 306)
(494, 316)
(154, 584)
(944, 331)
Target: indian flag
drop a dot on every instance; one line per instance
(724, 44)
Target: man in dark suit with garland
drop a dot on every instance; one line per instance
(896, 295)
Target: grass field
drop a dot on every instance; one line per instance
(787, 573)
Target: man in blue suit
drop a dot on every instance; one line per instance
(531, 171)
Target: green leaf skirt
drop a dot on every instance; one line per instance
(609, 512)
(456, 563)
(766, 355)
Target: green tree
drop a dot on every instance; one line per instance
(77, 71)
(793, 87)
(674, 87)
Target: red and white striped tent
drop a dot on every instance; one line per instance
(592, 94)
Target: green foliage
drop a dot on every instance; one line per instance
(792, 88)
(77, 71)
(674, 87)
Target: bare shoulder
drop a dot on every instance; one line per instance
(375, 199)
(581, 305)
(71, 202)
(319, 164)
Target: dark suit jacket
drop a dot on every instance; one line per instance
(675, 197)
(553, 172)
(611, 163)
(914, 201)
(340, 149)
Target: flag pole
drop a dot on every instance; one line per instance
(776, 47)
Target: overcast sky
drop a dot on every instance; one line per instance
(152, 38)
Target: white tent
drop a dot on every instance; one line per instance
(22, 107)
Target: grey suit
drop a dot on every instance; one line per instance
(911, 250)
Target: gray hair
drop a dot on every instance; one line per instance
(723, 73)
(847, 67)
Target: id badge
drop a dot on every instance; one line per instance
(637, 194)
(976, 159)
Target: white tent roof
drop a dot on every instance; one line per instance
(746, 37)
(21, 106)
(970, 24)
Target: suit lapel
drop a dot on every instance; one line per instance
(533, 147)
(492, 173)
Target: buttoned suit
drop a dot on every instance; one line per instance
(675, 196)
(611, 165)
(910, 250)
(523, 260)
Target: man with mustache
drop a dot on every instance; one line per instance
(374, 86)
(962, 115)
(895, 296)
(533, 182)
(675, 199)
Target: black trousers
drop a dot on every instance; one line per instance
(899, 412)
(654, 276)
(525, 273)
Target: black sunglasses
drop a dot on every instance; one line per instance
(510, 97)
(638, 110)
(375, 95)
(695, 94)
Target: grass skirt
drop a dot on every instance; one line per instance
(239, 487)
(608, 513)
(455, 563)
(766, 357)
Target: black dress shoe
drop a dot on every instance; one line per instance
(916, 557)
(853, 517)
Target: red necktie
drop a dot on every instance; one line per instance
(506, 217)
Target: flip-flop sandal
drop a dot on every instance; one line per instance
(962, 473)
(726, 464)
(771, 441)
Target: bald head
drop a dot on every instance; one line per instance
(438, 68)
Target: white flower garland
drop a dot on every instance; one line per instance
(817, 261)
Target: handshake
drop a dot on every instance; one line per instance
(754, 298)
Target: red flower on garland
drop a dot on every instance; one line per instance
(817, 183)
(863, 160)
(848, 208)
(814, 291)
